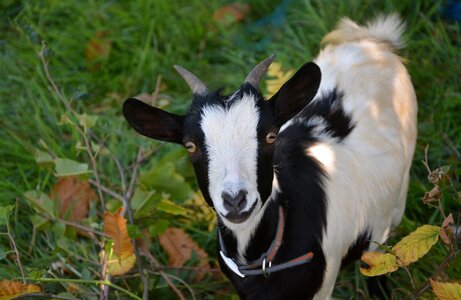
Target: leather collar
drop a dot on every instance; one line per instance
(263, 265)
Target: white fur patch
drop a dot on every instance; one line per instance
(231, 142)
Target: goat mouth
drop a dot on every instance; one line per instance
(238, 217)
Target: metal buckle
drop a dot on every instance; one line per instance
(266, 273)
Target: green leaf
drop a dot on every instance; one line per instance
(167, 175)
(158, 228)
(68, 167)
(170, 207)
(38, 222)
(43, 158)
(5, 212)
(378, 263)
(416, 244)
(41, 202)
(87, 121)
(140, 199)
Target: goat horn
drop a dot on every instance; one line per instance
(195, 84)
(257, 73)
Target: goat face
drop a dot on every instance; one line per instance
(230, 139)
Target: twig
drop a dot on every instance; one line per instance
(156, 93)
(97, 282)
(166, 275)
(446, 262)
(154, 262)
(79, 226)
(106, 190)
(43, 295)
(61, 97)
(144, 157)
(134, 173)
(191, 269)
(18, 259)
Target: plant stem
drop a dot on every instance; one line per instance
(83, 281)
(18, 259)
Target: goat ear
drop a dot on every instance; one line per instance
(153, 122)
(295, 93)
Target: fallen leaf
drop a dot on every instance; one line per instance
(378, 263)
(73, 196)
(121, 258)
(446, 290)
(416, 244)
(98, 50)
(179, 246)
(433, 196)
(232, 13)
(446, 231)
(12, 289)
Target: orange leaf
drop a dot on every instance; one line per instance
(234, 12)
(179, 246)
(98, 50)
(11, 289)
(446, 290)
(121, 258)
(115, 228)
(73, 196)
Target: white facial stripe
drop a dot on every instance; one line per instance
(231, 142)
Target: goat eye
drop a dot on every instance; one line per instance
(191, 148)
(270, 137)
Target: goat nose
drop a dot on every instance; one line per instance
(234, 203)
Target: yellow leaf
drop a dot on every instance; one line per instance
(416, 244)
(446, 290)
(12, 289)
(121, 258)
(279, 77)
(378, 263)
(119, 266)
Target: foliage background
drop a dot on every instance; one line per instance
(102, 52)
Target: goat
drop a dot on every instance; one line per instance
(301, 183)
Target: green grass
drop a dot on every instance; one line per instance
(147, 38)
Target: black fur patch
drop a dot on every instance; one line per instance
(357, 248)
(329, 107)
(303, 198)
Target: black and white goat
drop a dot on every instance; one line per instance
(303, 182)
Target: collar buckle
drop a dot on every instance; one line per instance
(265, 272)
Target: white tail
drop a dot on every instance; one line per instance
(386, 29)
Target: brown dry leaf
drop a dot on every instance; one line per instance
(446, 290)
(98, 50)
(234, 12)
(12, 289)
(433, 196)
(445, 231)
(73, 196)
(180, 246)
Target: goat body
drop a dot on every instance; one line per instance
(339, 166)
